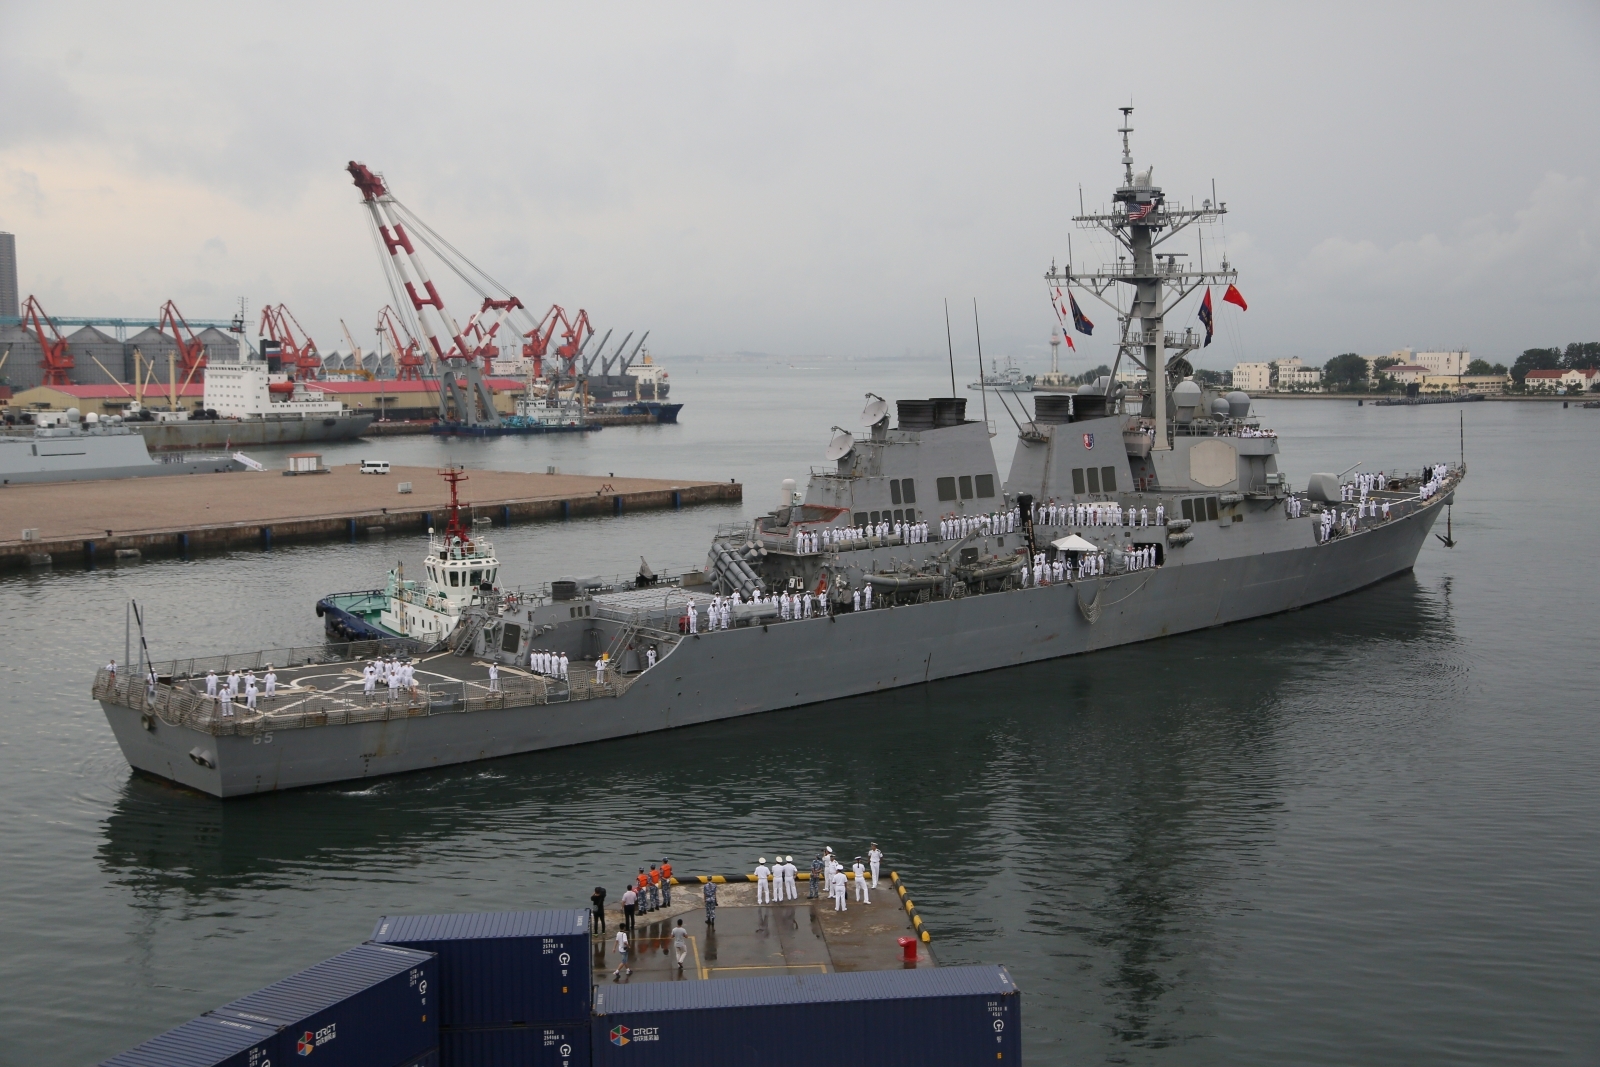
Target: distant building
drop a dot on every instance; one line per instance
(1487, 384)
(1252, 377)
(1406, 373)
(1299, 377)
(1443, 362)
(1571, 381)
(9, 300)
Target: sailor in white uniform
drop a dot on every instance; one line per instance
(272, 683)
(233, 684)
(250, 693)
(839, 890)
(494, 678)
(874, 858)
(369, 678)
(763, 886)
(859, 869)
(563, 666)
(789, 873)
(211, 680)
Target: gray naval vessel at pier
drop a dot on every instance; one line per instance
(1127, 516)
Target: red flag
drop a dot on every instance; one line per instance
(1067, 337)
(1233, 296)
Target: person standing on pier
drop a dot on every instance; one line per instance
(763, 887)
(874, 858)
(666, 883)
(655, 887)
(630, 907)
(839, 890)
(859, 869)
(597, 924)
(790, 873)
(814, 890)
(711, 903)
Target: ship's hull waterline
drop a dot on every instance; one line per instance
(744, 671)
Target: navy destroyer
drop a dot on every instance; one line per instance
(1128, 515)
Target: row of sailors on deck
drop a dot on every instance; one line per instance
(911, 533)
(227, 691)
(1435, 476)
(1347, 520)
(1092, 564)
(955, 527)
(1294, 507)
(392, 672)
(549, 664)
(1364, 484)
(1111, 514)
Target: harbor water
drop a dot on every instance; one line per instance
(1368, 831)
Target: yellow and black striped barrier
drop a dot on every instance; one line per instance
(911, 909)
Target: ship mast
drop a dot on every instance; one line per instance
(453, 528)
(1141, 221)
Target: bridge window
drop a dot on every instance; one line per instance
(1077, 481)
(966, 487)
(876, 517)
(908, 489)
(1094, 480)
(899, 516)
(1188, 508)
(984, 483)
(861, 518)
(1108, 479)
(894, 491)
(947, 488)
(1211, 508)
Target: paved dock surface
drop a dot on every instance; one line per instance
(181, 512)
(751, 940)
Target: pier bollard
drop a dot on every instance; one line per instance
(566, 510)
(266, 537)
(505, 514)
(88, 551)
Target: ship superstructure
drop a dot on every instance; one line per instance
(905, 559)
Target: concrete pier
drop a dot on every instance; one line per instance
(91, 521)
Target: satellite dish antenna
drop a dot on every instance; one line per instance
(840, 446)
(876, 408)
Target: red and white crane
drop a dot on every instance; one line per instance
(461, 386)
(191, 350)
(298, 349)
(54, 360)
(408, 360)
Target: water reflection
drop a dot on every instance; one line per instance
(1104, 804)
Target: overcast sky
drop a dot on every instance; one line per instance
(815, 181)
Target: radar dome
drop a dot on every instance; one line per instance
(1239, 404)
(1220, 407)
(1186, 394)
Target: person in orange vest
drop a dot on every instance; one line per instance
(655, 888)
(666, 883)
(644, 891)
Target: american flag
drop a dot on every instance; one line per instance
(1139, 211)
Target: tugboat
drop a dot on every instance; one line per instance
(1010, 380)
(458, 573)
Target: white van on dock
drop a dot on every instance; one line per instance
(374, 466)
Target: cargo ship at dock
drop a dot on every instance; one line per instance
(906, 560)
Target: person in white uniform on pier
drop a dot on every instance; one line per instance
(839, 890)
(763, 885)
(874, 858)
(859, 869)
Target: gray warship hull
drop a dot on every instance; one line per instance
(250, 433)
(748, 670)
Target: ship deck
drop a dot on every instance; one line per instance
(93, 519)
(751, 940)
(325, 687)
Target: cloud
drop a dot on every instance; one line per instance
(1548, 250)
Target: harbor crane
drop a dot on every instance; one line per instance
(54, 360)
(298, 349)
(408, 361)
(191, 350)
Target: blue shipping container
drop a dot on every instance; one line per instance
(370, 1006)
(944, 1015)
(516, 1046)
(506, 968)
(209, 1042)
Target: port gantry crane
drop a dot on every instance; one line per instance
(54, 360)
(191, 350)
(408, 362)
(298, 349)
